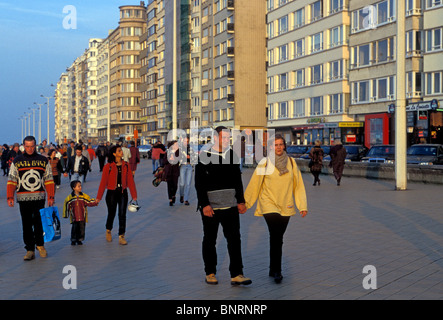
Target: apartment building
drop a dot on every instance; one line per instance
(77, 129)
(124, 72)
(103, 92)
(91, 91)
(228, 70)
(308, 66)
(373, 75)
(432, 77)
(61, 110)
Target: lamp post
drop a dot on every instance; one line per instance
(48, 111)
(21, 118)
(39, 121)
(33, 120)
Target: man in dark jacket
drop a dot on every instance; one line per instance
(78, 166)
(101, 152)
(220, 197)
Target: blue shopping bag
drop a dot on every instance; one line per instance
(51, 224)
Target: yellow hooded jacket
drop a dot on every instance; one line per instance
(276, 193)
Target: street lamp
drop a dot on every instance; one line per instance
(39, 122)
(48, 111)
(21, 118)
(33, 120)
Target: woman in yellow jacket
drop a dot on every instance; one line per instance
(276, 183)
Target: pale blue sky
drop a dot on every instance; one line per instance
(35, 49)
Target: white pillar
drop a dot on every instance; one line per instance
(400, 109)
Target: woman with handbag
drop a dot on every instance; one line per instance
(117, 178)
(276, 184)
(316, 163)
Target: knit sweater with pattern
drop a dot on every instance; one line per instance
(31, 177)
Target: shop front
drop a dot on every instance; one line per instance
(349, 132)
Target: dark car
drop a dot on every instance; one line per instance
(145, 151)
(296, 151)
(354, 152)
(380, 154)
(325, 152)
(425, 154)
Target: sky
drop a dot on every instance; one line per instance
(38, 41)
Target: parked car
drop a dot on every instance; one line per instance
(380, 154)
(296, 151)
(145, 151)
(325, 152)
(425, 154)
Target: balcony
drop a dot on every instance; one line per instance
(231, 75)
(230, 51)
(231, 98)
(230, 28)
(230, 5)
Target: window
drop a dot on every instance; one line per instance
(413, 84)
(299, 78)
(433, 3)
(336, 5)
(336, 103)
(299, 18)
(336, 36)
(283, 110)
(283, 53)
(317, 74)
(336, 70)
(433, 82)
(361, 55)
(271, 111)
(316, 42)
(371, 16)
(299, 48)
(283, 81)
(433, 39)
(299, 108)
(316, 106)
(316, 10)
(283, 25)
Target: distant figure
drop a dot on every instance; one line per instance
(316, 163)
(338, 157)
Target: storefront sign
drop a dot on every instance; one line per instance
(425, 105)
(350, 124)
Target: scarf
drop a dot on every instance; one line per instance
(281, 163)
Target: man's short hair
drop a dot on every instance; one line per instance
(29, 138)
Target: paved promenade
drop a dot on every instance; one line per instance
(361, 223)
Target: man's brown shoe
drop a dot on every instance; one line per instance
(211, 279)
(108, 235)
(42, 251)
(29, 256)
(121, 240)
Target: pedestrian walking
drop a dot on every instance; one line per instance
(135, 157)
(276, 184)
(86, 154)
(30, 177)
(172, 170)
(338, 157)
(186, 170)
(75, 208)
(220, 200)
(116, 178)
(316, 163)
(126, 152)
(56, 167)
(157, 151)
(78, 166)
(5, 159)
(102, 153)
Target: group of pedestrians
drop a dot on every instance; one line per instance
(276, 185)
(31, 181)
(338, 156)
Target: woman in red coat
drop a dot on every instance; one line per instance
(117, 178)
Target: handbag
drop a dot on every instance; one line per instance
(51, 224)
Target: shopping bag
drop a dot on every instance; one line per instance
(51, 224)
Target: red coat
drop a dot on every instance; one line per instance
(109, 179)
